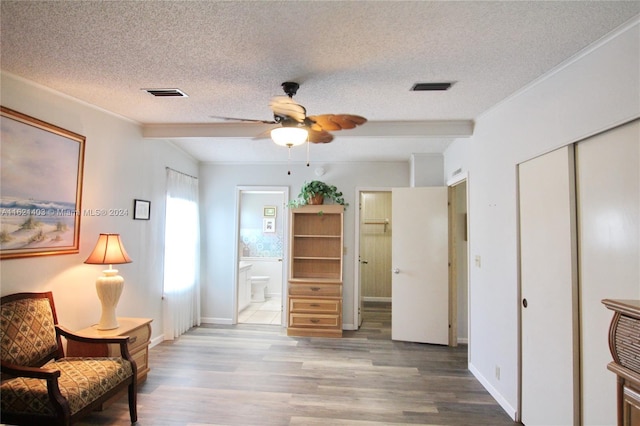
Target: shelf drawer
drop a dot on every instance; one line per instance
(315, 289)
(325, 306)
(314, 320)
(139, 337)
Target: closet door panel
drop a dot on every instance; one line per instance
(608, 182)
(549, 350)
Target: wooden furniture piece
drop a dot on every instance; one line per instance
(624, 343)
(40, 386)
(315, 271)
(139, 332)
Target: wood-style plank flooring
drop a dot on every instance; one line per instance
(255, 375)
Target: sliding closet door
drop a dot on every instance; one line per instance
(608, 181)
(549, 310)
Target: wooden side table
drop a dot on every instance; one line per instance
(139, 332)
(624, 343)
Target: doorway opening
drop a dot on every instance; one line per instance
(459, 264)
(374, 259)
(262, 235)
(373, 269)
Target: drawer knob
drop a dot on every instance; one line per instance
(314, 320)
(315, 305)
(315, 289)
(132, 340)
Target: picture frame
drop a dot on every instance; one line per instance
(141, 209)
(269, 211)
(40, 187)
(269, 224)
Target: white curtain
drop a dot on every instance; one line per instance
(181, 291)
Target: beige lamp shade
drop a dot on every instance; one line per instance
(109, 250)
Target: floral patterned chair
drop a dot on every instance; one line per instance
(39, 385)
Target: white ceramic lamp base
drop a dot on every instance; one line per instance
(109, 288)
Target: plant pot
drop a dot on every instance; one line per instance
(316, 199)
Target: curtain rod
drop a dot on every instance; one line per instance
(178, 171)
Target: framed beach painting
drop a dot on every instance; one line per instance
(40, 187)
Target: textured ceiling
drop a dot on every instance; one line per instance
(354, 57)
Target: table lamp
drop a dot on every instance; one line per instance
(108, 251)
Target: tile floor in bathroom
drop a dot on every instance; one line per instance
(267, 312)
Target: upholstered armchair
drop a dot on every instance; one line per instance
(39, 385)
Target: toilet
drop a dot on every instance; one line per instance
(259, 288)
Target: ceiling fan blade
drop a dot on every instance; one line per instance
(349, 121)
(321, 136)
(323, 122)
(333, 122)
(287, 107)
(249, 120)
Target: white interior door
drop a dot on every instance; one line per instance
(419, 247)
(549, 310)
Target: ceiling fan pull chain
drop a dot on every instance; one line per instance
(307, 151)
(289, 160)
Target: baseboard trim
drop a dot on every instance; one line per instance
(156, 341)
(220, 321)
(512, 412)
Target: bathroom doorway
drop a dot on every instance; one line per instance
(262, 235)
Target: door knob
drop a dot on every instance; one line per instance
(525, 303)
(396, 270)
(364, 262)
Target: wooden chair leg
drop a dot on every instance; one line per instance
(133, 408)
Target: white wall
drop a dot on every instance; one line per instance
(427, 170)
(119, 166)
(217, 198)
(596, 90)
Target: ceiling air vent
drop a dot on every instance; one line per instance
(167, 93)
(423, 87)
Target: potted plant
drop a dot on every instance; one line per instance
(316, 192)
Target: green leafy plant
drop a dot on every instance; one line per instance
(309, 190)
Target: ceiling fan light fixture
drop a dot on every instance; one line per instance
(289, 136)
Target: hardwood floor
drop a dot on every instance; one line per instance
(255, 375)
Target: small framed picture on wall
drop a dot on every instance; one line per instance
(269, 211)
(269, 224)
(141, 209)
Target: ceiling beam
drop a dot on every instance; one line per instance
(432, 128)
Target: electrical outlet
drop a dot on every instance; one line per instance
(497, 372)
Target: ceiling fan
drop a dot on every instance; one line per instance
(289, 114)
